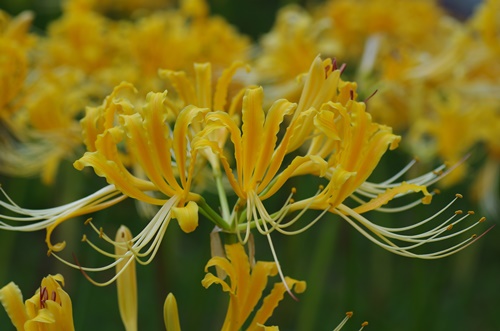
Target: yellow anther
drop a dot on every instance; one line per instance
(321, 187)
(427, 199)
(365, 323)
(101, 232)
(294, 190)
(449, 227)
(482, 219)
(87, 221)
(437, 191)
(292, 200)
(470, 212)
(458, 212)
(349, 314)
(474, 236)
(458, 195)
(84, 238)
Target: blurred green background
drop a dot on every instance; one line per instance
(344, 271)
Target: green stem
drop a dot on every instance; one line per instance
(222, 194)
(209, 213)
(317, 276)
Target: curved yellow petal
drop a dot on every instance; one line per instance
(126, 283)
(140, 147)
(44, 316)
(210, 279)
(389, 194)
(223, 84)
(272, 300)
(218, 119)
(187, 116)
(171, 314)
(203, 75)
(252, 133)
(274, 118)
(155, 115)
(182, 85)
(12, 301)
(187, 216)
(258, 282)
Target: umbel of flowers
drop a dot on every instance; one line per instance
(164, 106)
(155, 150)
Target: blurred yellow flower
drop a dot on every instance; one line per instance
(48, 309)
(355, 22)
(14, 45)
(286, 52)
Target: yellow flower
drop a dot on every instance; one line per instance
(330, 136)
(49, 309)
(191, 32)
(486, 20)
(44, 130)
(129, 7)
(143, 148)
(408, 22)
(245, 290)
(160, 183)
(287, 50)
(14, 44)
(81, 39)
(152, 150)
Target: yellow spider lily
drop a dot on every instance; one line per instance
(136, 129)
(48, 309)
(245, 289)
(142, 154)
(334, 139)
(328, 135)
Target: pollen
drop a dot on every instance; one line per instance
(471, 212)
(349, 314)
(459, 196)
(482, 219)
(459, 212)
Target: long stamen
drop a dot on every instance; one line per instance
(385, 234)
(400, 173)
(278, 266)
(110, 281)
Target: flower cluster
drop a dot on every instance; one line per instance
(170, 106)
